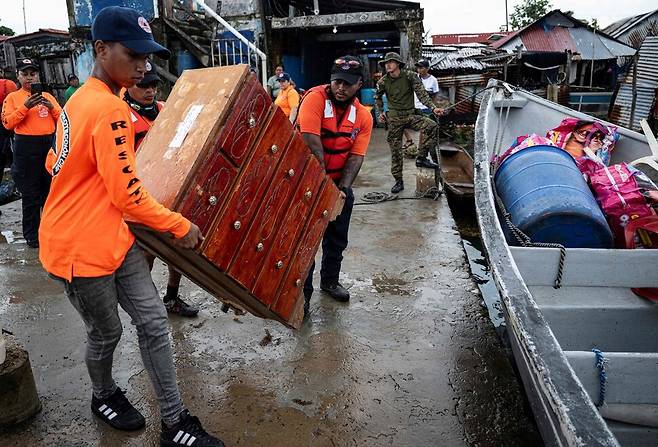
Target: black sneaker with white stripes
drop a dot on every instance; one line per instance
(117, 412)
(188, 432)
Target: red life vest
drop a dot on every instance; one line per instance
(142, 125)
(337, 138)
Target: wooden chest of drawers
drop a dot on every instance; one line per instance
(228, 159)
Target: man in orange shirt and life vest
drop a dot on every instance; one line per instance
(144, 110)
(87, 246)
(337, 128)
(31, 114)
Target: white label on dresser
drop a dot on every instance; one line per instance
(183, 129)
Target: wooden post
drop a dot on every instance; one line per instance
(519, 65)
(636, 58)
(567, 70)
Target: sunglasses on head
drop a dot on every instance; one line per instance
(351, 64)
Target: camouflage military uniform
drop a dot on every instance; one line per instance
(401, 115)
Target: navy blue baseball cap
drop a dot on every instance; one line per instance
(129, 28)
(283, 77)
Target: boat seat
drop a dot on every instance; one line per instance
(631, 376)
(449, 149)
(462, 185)
(608, 318)
(588, 267)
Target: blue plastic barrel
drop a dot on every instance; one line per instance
(548, 199)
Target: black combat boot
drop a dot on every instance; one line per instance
(336, 291)
(423, 162)
(399, 186)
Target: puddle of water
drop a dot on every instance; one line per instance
(482, 276)
(392, 285)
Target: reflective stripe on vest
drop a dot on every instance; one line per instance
(337, 138)
(141, 125)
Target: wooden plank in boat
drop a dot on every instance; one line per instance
(588, 267)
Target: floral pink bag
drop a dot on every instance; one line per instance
(619, 196)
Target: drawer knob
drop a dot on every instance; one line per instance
(260, 246)
(212, 200)
(252, 122)
(237, 224)
(279, 265)
(274, 149)
(291, 173)
(298, 283)
(324, 213)
(308, 194)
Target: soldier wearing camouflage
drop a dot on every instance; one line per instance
(401, 115)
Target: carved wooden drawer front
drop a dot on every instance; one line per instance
(278, 260)
(248, 192)
(247, 116)
(209, 192)
(262, 233)
(293, 283)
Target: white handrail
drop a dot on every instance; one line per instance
(237, 34)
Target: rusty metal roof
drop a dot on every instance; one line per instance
(647, 85)
(555, 39)
(461, 38)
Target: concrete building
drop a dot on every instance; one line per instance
(304, 35)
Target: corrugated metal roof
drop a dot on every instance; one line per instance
(622, 26)
(647, 84)
(557, 32)
(556, 39)
(444, 57)
(449, 39)
(590, 46)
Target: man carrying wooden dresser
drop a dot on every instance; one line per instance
(337, 128)
(86, 244)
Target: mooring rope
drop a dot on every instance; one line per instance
(600, 363)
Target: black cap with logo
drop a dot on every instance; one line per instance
(23, 64)
(129, 28)
(348, 69)
(423, 63)
(150, 76)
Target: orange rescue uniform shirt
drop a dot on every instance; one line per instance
(287, 100)
(312, 113)
(82, 231)
(38, 120)
(6, 87)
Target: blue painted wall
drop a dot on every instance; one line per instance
(86, 10)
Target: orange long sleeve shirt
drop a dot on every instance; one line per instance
(82, 231)
(38, 120)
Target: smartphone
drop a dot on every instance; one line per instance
(37, 87)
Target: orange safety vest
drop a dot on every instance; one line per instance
(142, 124)
(337, 138)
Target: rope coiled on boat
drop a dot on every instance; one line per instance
(600, 363)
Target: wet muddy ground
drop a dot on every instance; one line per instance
(411, 360)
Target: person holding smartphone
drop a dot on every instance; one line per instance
(32, 114)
